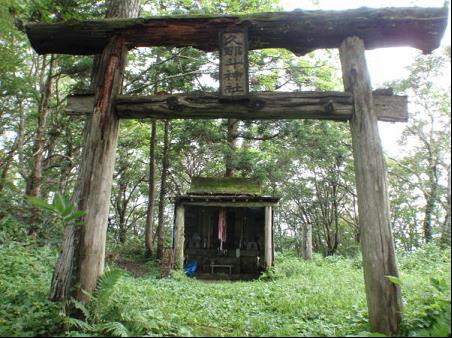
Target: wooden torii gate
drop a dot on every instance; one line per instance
(351, 31)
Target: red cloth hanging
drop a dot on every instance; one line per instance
(222, 226)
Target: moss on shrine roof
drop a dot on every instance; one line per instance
(225, 185)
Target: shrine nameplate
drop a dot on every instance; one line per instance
(234, 63)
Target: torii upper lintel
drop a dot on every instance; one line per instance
(299, 31)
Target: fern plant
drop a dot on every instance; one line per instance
(104, 289)
(94, 323)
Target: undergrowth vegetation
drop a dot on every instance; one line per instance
(323, 297)
(24, 284)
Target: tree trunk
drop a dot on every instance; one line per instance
(51, 159)
(336, 216)
(63, 272)
(233, 125)
(151, 193)
(121, 202)
(122, 226)
(16, 148)
(165, 166)
(379, 261)
(431, 203)
(445, 234)
(307, 241)
(35, 180)
(123, 9)
(65, 173)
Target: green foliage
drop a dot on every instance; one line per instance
(367, 334)
(426, 282)
(61, 206)
(65, 210)
(11, 230)
(419, 176)
(394, 280)
(223, 185)
(181, 306)
(105, 286)
(56, 216)
(25, 278)
(93, 324)
(321, 297)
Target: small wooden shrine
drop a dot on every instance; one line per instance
(225, 225)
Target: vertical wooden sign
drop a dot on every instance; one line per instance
(234, 63)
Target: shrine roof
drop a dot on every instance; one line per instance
(226, 200)
(225, 186)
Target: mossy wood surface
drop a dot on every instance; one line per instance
(225, 185)
(299, 31)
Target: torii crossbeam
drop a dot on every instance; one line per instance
(298, 31)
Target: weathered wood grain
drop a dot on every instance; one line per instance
(307, 105)
(97, 168)
(299, 31)
(268, 250)
(379, 261)
(179, 238)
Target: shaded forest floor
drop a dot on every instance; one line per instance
(323, 297)
(136, 269)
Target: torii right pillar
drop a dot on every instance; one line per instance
(384, 299)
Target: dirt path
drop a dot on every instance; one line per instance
(137, 269)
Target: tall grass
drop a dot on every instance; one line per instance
(322, 297)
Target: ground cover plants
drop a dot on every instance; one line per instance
(323, 297)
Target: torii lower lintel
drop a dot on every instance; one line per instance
(336, 106)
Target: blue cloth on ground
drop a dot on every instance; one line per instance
(190, 268)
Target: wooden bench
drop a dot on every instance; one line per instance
(212, 266)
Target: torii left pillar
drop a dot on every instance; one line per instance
(98, 158)
(97, 167)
